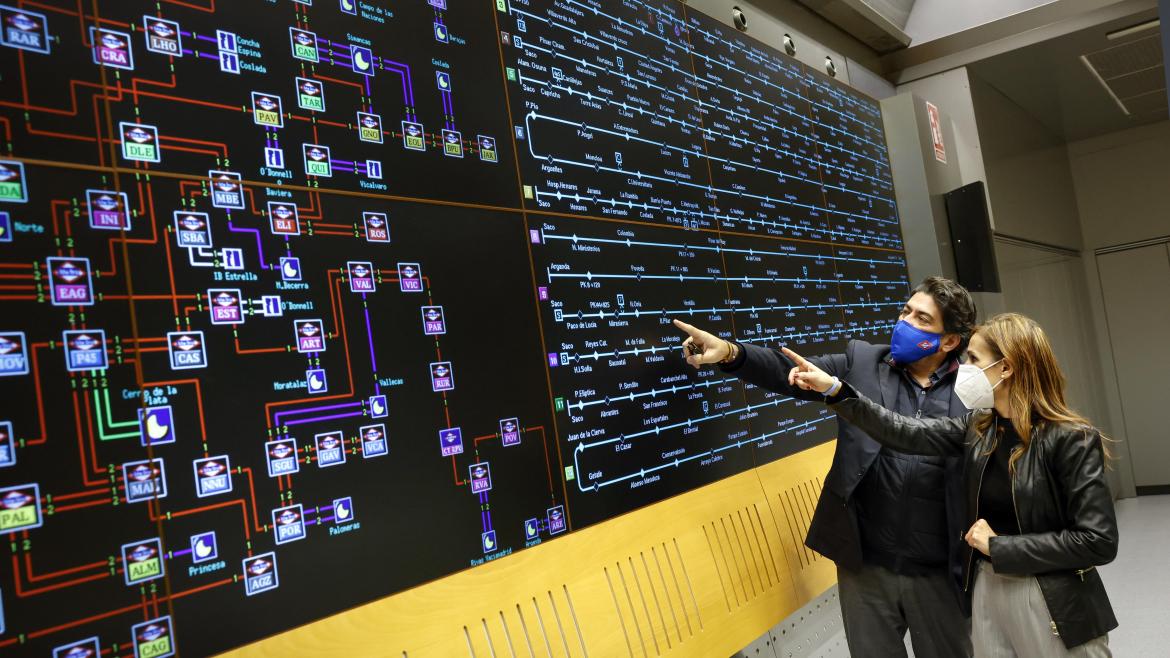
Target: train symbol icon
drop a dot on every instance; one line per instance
(272, 306)
(13, 353)
(203, 547)
(25, 30)
(156, 425)
(162, 36)
(143, 561)
(227, 190)
(145, 480)
(362, 60)
(442, 377)
(343, 510)
(361, 276)
(318, 161)
(481, 477)
(369, 127)
(378, 406)
(450, 441)
(288, 523)
(186, 350)
(111, 48)
(108, 210)
(282, 457)
(377, 226)
(304, 45)
(510, 432)
(315, 381)
(226, 305)
(290, 268)
(7, 445)
(330, 449)
(192, 229)
(283, 218)
(13, 188)
(87, 648)
(310, 95)
(413, 136)
(266, 110)
(20, 507)
(373, 441)
(410, 277)
(310, 335)
(260, 574)
(85, 349)
(452, 143)
(434, 322)
(212, 476)
(556, 520)
(70, 281)
(154, 638)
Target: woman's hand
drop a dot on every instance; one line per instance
(711, 348)
(806, 375)
(979, 537)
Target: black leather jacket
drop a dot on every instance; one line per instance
(1063, 504)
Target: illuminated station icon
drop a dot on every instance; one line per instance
(260, 574)
(24, 30)
(162, 36)
(374, 443)
(154, 638)
(87, 648)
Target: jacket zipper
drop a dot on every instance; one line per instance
(971, 551)
(1020, 527)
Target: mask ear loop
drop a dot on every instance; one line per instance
(1002, 379)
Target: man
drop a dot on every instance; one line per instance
(887, 519)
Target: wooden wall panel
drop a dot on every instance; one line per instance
(700, 574)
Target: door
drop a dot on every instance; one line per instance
(1136, 287)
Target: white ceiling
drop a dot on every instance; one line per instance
(1052, 82)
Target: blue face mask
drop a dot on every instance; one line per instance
(909, 343)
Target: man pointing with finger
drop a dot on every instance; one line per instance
(887, 519)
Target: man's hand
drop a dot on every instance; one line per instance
(979, 537)
(712, 349)
(806, 375)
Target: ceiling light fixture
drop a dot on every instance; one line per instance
(1108, 89)
(1133, 29)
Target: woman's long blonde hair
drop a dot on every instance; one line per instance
(1036, 386)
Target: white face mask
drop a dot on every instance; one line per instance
(972, 387)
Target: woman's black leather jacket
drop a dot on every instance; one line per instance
(1063, 504)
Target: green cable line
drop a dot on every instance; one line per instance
(107, 419)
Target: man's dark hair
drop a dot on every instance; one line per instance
(958, 309)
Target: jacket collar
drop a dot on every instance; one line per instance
(891, 373)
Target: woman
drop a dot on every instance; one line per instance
(1040, 512)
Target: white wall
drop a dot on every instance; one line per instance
(1028, 177)
(951, 92)
(1050, 288)
(1121, 182)
(933, 19)
(1123, 185)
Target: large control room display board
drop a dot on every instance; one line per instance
(308, 303)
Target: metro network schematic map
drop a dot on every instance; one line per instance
(308, 303)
